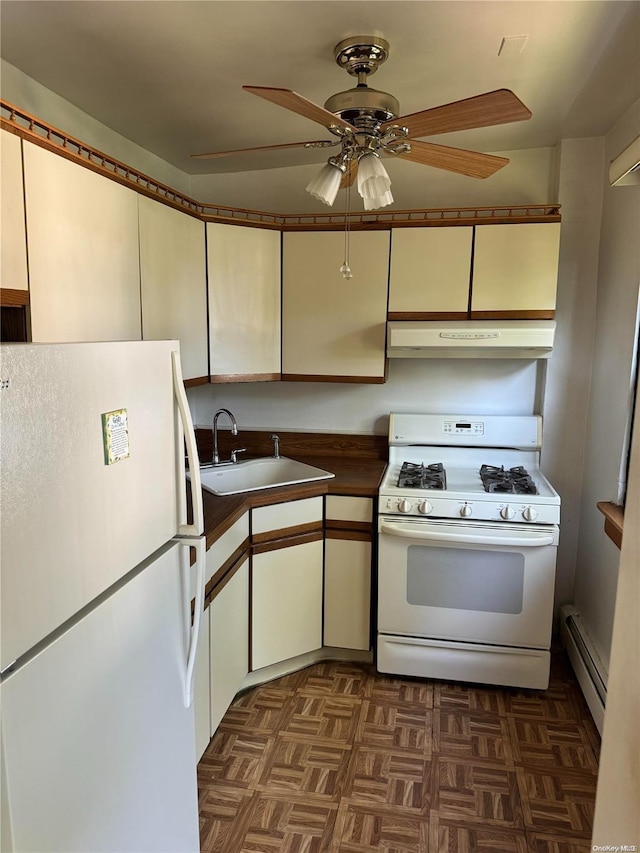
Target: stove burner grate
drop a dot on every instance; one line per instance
(419, 476)
(514, 480)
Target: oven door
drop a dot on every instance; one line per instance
(469, 582)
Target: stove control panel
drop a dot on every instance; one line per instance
(463, 427)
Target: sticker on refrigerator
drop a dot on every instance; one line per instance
(115, 436)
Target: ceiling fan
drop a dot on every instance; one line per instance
(366, 125)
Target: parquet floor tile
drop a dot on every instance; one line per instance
(340, 759)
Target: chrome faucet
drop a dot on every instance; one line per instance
(276, 445)
(234, 431)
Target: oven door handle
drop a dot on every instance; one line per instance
(507, 539)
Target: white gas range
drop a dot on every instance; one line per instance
(468, 534)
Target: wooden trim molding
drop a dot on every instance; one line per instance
(200, 380)
(513, 315)
(289, 542)
(285, 532)
(356, 535)
(21, 123)
(245, 377)
(13, 297)
(428, 315)
(338, 525)
(225, 574)
(613, 521)
(310, 377)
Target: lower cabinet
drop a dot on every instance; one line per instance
(286, 595)
(229, 640)
(201, 678)
(347, 589)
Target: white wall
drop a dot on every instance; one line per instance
(26, 93)
(460, 386)
(617, 301)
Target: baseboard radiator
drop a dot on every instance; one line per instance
(588, 667)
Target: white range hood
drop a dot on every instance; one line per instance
(470, 339)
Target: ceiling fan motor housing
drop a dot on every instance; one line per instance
(362, 106)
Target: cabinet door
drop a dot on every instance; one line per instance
(13, 239)
(286, 603)
(515, 270)
(173, 283)
(430, 273)
(202, 689)
(83, 252)
(229, 633)
(244, 303)
(334, 329)
(347, 590)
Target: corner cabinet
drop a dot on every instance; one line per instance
(244, 303)
(515, 271)
(333, 329)
(173, 284)
(82, 233)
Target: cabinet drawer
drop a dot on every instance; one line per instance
(286, 519)
(224, 547)
(342, 508)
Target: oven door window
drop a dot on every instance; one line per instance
(464, 579)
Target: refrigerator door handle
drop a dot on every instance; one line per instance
(200, 546)
(197, 527)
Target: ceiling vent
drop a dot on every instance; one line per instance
(625, 169)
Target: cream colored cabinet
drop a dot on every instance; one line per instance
(13, 239)
(173, 283)
(347, 572)
(286, 580)
(83, 252)
(430, 272)
(229, 639)
(244, 303)
(515, 270)
(201, 689)
(333, 329)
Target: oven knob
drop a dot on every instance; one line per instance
(507, 512)
(529, 513)
(424, 507)
(404, 505)
(465, 511)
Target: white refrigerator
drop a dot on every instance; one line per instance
(97, 639)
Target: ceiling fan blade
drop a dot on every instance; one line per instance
(297, 104)
(350, 175)
(499, 107)
(471, 163)
(322, 143)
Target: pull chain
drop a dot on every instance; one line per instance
(345, 269)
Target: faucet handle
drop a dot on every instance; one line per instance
(234, 453)
(276, 445)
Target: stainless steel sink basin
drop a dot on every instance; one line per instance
(258, 474)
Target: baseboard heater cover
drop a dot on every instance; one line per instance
(468, 662)
(586, 663)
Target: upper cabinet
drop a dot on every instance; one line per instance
(13, 243)
(83, 252)
(430, 273)
(173, 283)
(244, 303)
(515, 271)
(334, 329)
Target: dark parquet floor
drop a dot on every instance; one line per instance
(338, 758)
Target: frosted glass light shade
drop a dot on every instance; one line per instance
(326, 184)
(381, 201)
(373, 180)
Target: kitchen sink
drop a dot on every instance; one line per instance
(258, 474)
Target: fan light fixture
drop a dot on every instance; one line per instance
(326, 183)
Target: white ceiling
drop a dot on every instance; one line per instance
(168, 74)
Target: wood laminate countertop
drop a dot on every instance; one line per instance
(358, 477)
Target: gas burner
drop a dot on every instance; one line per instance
(415, 476)
(514, 480)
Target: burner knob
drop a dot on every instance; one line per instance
(507, 512)
(465, 511)
(529, 513)
(424, 507)
(405, 505)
